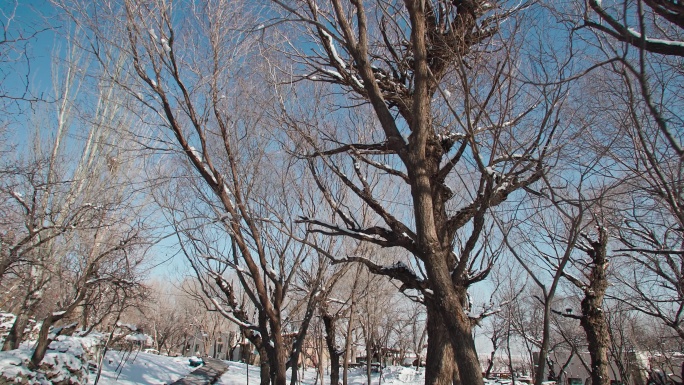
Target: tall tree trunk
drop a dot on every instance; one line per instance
(298, 343)
(508, 346)
(449, 303)
(440, 366)
(334, 353)
(490, 364)
(597, 334)
(294, 367)
(369, 360)
(540, 366)
(16, 333)
(43, 342)
(593, 319)
(279, 361)
(347, 343)
(321, 365)
(469, 368)
(27, 310)
(265, 367)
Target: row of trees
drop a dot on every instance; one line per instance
(72, 237)
(287, 143)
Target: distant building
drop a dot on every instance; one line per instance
(636, 368)
(222, 346)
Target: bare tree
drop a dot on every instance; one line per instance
(544, 259)
(332, 308)
(418, 333)
(498, 328)
(443, 98)
(643, 87)
(80, 235)
(229, 197)
(166, 316)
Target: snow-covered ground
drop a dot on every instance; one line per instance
(152, 369)
(70, 361)
(237, 375)
(142, 369)
(65, 363)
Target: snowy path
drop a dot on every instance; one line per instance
(206, 374)
(149, 369)
(142, 369)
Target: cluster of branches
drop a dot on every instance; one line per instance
(72, 237)
(408, 126)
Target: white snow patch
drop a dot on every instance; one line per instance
(165, 45)
(673, 43)
(142, 369)
(333, 50)
(152, 34)
(332, 73)
(391, 375)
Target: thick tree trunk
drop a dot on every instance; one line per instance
(440, 367)
(596, 328)
(422, 163)
(16, 333)
(265, 367)
(448, 299)
(333, 352)
(593, 319)
(42, 343)
(279, 363)
(463, 344)
(294, 367)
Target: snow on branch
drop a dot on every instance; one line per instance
(383, 167)
(378, 235)
(398, 271)
(228, 314)
(621, 32)
(366, 195)
(361, 148)
(330, 47)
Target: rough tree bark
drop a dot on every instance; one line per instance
(441, 368)
(593, 319)
(27, 310)
(333, 352)
(265, 372)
